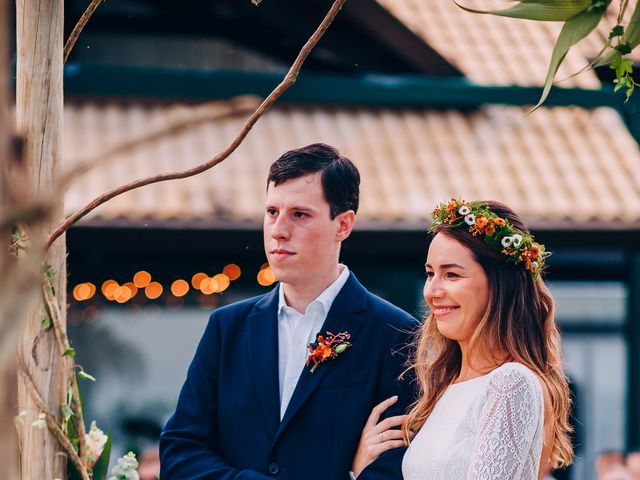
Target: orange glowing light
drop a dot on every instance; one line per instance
(179, 288)
(122, 294)
(92, 290)
(197, 279)
(109, 288)
(153, 290)
(141, 279)
(131, 286)
(208, 286)
(222, 282)
(232, 271)
(266, 277)
(81, 292)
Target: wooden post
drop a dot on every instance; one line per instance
(39, 104)
(8, 443)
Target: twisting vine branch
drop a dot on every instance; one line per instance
(288, 80)
(55, 314)
(51, 421)
(73, 37)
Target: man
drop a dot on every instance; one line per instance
(252, 407)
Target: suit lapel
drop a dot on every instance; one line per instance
(263, 353)
(346, 315)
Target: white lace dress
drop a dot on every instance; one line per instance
(487, 428)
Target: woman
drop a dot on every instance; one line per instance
(494, 399)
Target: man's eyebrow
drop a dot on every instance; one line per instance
(446, 265)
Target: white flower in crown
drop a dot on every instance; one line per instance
(464, 210)
(470, 219)
(507, 241)
(517, 239)
(534, 265)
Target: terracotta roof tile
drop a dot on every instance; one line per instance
(496, 50)
(565, 166)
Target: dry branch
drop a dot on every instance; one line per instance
(52, 424)
(288, 80)
(73, 37)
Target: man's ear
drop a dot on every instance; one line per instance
(346, 221)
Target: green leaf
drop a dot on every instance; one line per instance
(69, 352)
(573, 31)
(46, 323)
(100, 469)
(83, 374)
(616, 31)
(67, 412)
(544, 10)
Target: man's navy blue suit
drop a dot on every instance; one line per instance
(227, 421)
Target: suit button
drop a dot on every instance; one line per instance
(273, 468)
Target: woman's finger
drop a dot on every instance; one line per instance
(378, 410)
(381, 437)
(389, 423)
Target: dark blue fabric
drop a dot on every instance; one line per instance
(227, 421)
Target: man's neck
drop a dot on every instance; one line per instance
(299, 296)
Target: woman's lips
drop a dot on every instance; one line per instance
(442, 311)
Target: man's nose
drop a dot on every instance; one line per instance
(280, 227)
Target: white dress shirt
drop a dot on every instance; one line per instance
(296, 330)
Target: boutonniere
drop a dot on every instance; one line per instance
(327, 346)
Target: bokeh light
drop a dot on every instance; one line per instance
(109, 288)
(141, 279)
(266, 277)
(222, 282)
(179, 288)
(197, 279)
(153, 290)
(232, 271)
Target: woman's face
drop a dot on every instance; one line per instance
(456, 290)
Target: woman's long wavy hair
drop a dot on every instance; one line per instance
(518, 326)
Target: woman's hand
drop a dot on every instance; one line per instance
(376, 437)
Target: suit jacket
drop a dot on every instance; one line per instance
(227, 421)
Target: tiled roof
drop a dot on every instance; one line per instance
(495, 50)
(563, 167)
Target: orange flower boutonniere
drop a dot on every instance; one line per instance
(327, 346)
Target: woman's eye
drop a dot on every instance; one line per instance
(429, 274)
(452, 275)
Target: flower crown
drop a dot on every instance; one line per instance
(499, 234)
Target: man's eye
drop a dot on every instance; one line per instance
(299, 214)
(272, 212)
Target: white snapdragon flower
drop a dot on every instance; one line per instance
(126, 469)
(517, 239)
(470, 219)
(507, 241)
(95, 440)
(464, 210)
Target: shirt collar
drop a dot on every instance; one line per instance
(325, 299)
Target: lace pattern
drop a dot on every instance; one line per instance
(488, 428)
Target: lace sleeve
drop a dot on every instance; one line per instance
(508, 444)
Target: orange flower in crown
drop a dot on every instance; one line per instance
(517, 246)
